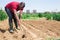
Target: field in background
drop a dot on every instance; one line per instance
(48, 15)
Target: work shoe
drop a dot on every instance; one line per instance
(11, 31)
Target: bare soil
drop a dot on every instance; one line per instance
(31, 30)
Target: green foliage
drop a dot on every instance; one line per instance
(56, 16)
(48, 15)
(39, 15)
(34, 15)
(2, 15)
(27, 15)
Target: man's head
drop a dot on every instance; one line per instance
(21, 5)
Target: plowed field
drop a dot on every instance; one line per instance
(31, 30)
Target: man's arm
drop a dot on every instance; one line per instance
(20, 14)
(17, 17)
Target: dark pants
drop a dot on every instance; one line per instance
(11, 17)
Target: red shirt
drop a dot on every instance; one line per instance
(13, 6)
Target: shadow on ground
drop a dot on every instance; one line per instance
(2, 30)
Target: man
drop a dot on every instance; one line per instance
(11, 10)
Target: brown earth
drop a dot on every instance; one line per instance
(31, 30)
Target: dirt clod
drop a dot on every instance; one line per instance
(23, 36)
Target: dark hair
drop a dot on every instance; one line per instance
(22, 4)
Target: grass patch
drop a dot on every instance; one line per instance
(52, 38)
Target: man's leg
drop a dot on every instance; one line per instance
(10, 19)
(10, 23)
